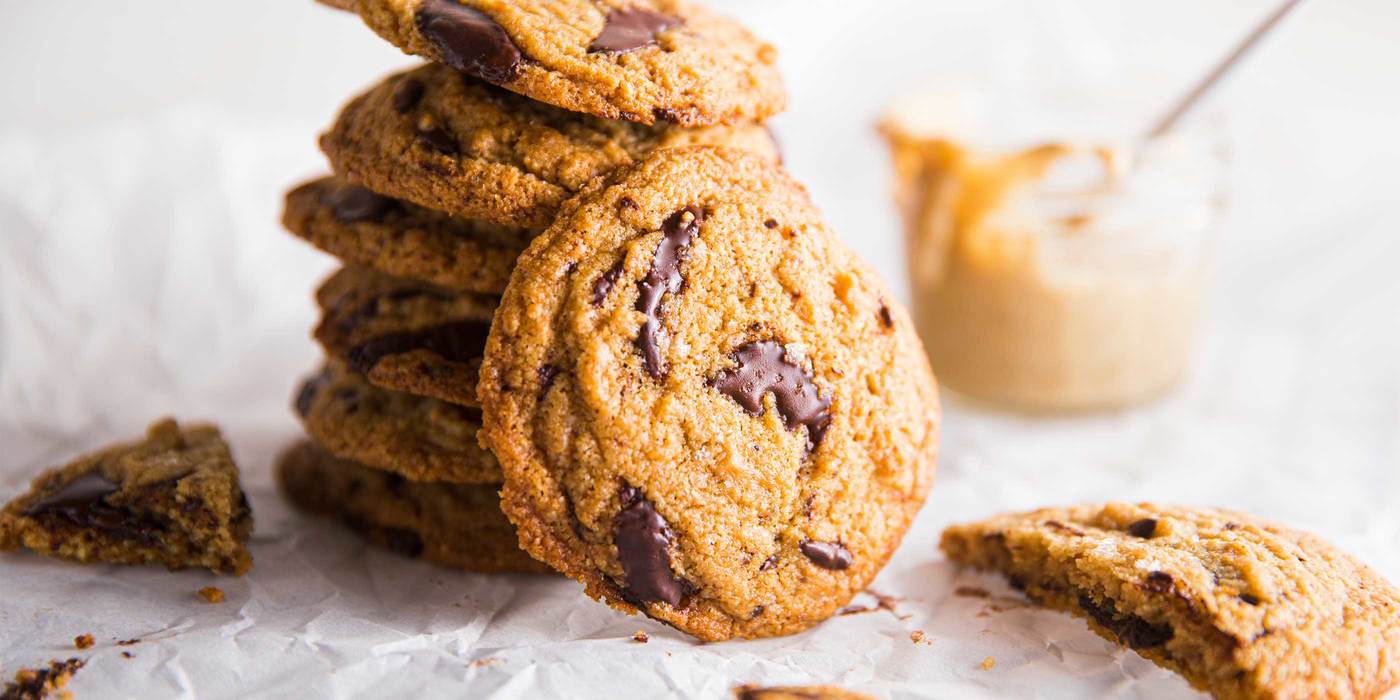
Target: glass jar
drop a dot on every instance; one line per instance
(1065, 276)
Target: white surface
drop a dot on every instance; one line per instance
(144, 147)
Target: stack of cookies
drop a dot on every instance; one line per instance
(587, 323)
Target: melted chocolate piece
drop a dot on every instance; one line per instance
(460, 341)
(81, 502)
(81, 491)
(469, 41)
(604, 284)
(1131, 630)
(1143, 528)
(1159, 582)
(547, 373)
(763, 367)
(643, 544)
(438, 140)
(631, 29)
(407, 95)
(771, 223)
(353, 204)
(886, 318)
(1249, 598)
(665, 276)
(828, 555)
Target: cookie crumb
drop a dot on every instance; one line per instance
(989, 663)
(83, 641)
(128, 642)
(971, 592)
(641, 637)
(919, 637)
(35, 684)
(127, 655)
(213, 594)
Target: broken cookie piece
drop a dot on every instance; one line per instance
(40, 683)
(1243, 608)
(173, 499)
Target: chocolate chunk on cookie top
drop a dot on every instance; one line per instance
(730, 438)
(454, 144)
(173, 499)
(1241, 607)
(635, 60)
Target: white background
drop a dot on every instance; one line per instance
(144, 147)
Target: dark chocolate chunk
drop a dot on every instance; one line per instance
(665, 114)
(631, 29)
(665, 276)
(763, 367)
(407, 95)
(82, 502)
(1159, 582)
(828, 555)
(439, 140)
(547, 373)
(644, 546)
(604, 284)
(1131, 630)
(627, 203)
(771, 223)
(353, 204)
(886, 318)
(1143, 528)
(469, 41)
(1249, 598)
(459, 341)
(79, 492)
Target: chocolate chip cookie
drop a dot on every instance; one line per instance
(172, 498)
(417, 438)
(1241, 607)
(455, 525)
(706, 408)
(634, 60)
(402, 239)
(436, 138)
(405, 335)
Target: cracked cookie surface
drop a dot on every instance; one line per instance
(455, 525)
(405, 240)
(1243, 608)
(417, 438)
(173, 498)
(705, 407)
(405, 335)
(634, 60)
(440, 140)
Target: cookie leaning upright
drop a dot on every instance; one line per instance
(705, 406)
(631, 60)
